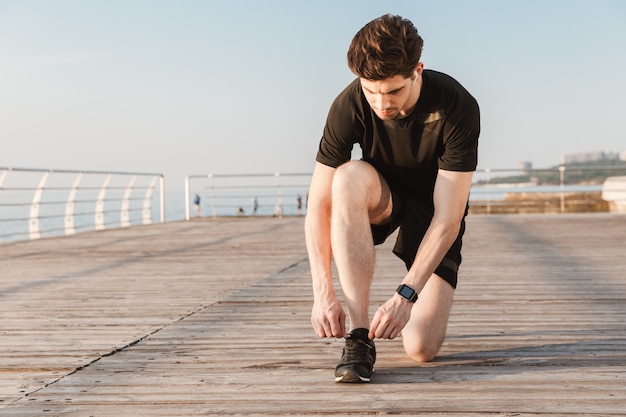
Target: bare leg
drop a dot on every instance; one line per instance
(360, 196)
(424, 333)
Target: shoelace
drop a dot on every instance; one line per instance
(356, 350)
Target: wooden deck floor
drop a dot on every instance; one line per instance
(212, 317)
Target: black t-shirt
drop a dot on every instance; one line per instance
(440, 133)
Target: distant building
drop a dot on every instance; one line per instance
(592, 156)
(525, 166)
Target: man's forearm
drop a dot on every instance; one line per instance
(317, 233)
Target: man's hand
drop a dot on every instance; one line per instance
(390, 318)
(328, 318)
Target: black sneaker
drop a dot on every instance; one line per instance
(357, 360)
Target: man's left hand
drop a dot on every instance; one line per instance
(390, 318)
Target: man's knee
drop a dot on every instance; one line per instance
(425, 332)
(351, 182)
(420, 350)
(357, 185)
(350, 175)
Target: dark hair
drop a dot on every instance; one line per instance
(385, 47)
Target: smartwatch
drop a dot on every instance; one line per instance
(407, 292)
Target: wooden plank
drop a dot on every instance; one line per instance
(212, 317)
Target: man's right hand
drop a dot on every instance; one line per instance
(328, 318)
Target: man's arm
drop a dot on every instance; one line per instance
(327, 317)
(450, 199)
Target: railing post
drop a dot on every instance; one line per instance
(99, 214)
(187, 197)
(278, 212)
(562, 180)
(213, 202)
(69, 207)
(125, 208)
(488, 172)
(33, 222)
(162, 200)
(146, 213)
(3, 175)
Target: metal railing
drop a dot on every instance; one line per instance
(561, 189)
(275, 194)
(558, 190)
(36, 203)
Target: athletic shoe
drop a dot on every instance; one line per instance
(357, 360)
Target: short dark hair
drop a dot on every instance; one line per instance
(385, 47)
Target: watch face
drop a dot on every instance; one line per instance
(406, 292)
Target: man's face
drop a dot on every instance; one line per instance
(391, 98)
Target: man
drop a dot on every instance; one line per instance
(418, 130)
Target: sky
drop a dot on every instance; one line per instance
(191, 87)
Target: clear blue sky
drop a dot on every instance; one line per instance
(243, 86)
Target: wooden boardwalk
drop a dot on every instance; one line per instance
(212, 317)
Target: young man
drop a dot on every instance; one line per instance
(418, 130)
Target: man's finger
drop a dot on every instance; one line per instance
(339, 330)
(374, 327)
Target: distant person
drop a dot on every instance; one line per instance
(418, 130)
(241, 211)
(196, 205)
(299, 204)
(255, 204)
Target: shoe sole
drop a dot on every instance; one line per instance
(352, 378)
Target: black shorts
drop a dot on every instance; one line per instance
(413, 217)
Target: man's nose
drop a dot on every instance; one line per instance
(382, 101)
